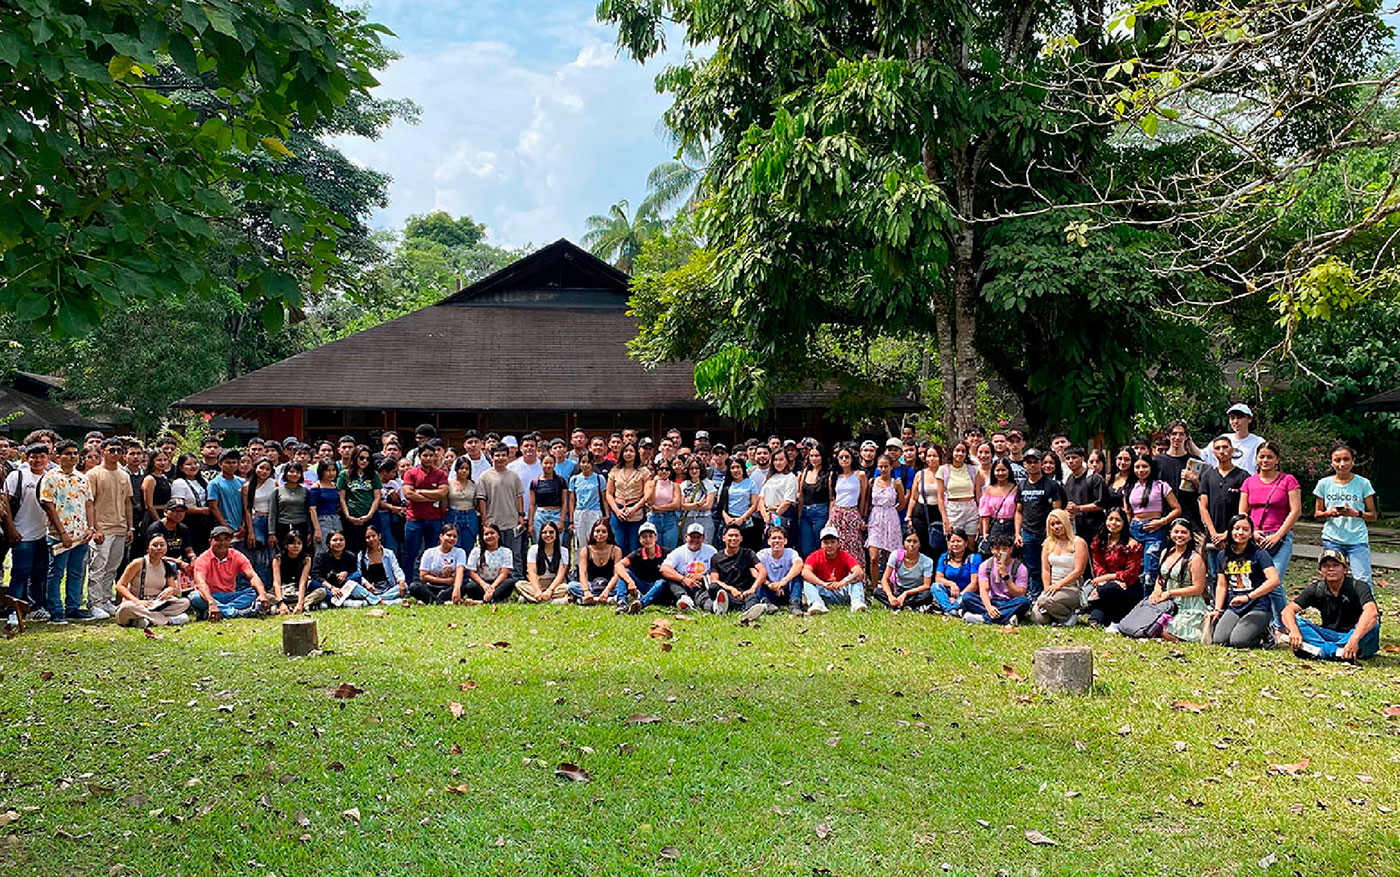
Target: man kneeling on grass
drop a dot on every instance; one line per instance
(216, 574)
(832, 574)
(1351, 622)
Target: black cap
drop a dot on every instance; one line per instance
(230, 454)
(1031, 454)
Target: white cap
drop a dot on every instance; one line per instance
(893, 442)
(510, 442)
(830, 532)
(695, 528)
(649, 527)
(1239, 408)
(868, 444)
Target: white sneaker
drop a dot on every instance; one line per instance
(100, 614)
(39, 615)
(685, 603)
(182, 618)
(721, 605)
(12, 621)
(353, 604)
(141, 623)
(1112, 628)
(974, 618)
(862, 606)
(110, 608)
(817, 609)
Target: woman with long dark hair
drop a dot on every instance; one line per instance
(997, 506)
(546, 568)
(628, 491)
(257, 507)
(884, 530)
(1247, 577)
(1273, 499)
(923, 513)
(850, 498)
(959, 493)
(380, 573)
(586, 504)
(697, 498)
(1152, 505)
(1117, 583)
(190, 485)
(325, 503)
(291, 570)
(738, 503)
(597, 567)
(466, 505)
(813, 500)
(358, 485)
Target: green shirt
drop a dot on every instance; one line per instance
(359, 491)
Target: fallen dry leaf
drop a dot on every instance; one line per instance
(984, 823)
(335, 765)
(641, 719)
(458, 790)
(665, 647)
(95, 789)
(468, 685)
(833, 741)
(456, 749)
(670, 853)
(572, 772)
(1290, 769)
(302, 820)
(823, 830)
(1392, 711)
(7, 817)
(1391, 649)
(500, 644)
(500, 840)
(351, 815)
(1188, 706)
(660, 629)
(1010, 673)
(1039, 839)
(46, 675)
(456, 709)
(376, 612)
(347, 690)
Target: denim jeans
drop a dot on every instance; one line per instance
(971, 602)
(668, 528)
(1358, 557)
(625, 534)
(540, 517)
(809, 527)
(854, 594)
(647, 592)
(64, 594)
(1152, 543)
(29, 571)
(418, 535)
(468, 527)
(941, 598)
(261, 557)
(1278, 598)
(1329, 641)
(384, 523)
(1031, 543)
(231, 603)
(597, 588)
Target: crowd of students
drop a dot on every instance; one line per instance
(1161, 539)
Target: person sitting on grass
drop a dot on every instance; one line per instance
(1117, 584)
(380, 573)
(999, 595)
(337, 572)
(639, 581)
(1064, 558)
(782, 576)
(546, 568)
(490, 569)
(1247, 578)
(955, 573)
(441, 570)
(908, 579)
(735, 575)
(217, 593)
(1351, 622)
(149, 590)
(291, 570)
(687, 569)
(597, 566)
(832, 574)
(1181, 585)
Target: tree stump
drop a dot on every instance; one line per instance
(299, 636)
(1064, 668)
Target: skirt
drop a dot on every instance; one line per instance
(847, 521)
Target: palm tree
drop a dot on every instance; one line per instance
(681, 179)
(617, 238)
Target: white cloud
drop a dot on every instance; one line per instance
(530, 144)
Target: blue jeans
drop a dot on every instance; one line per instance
(854, 594)
(597, 588)
(384, 523)
(625, 534)
(647, 592)
(668, 528)
(1329, 641)
(231, 603)
(1278, 597)
(261, 557)
(941, 598)
(542, 515)
(468, 528)
(29, 571)
(1031, 543)
(792, 592)
(1152, 543)
(971, 602)
(1358, 557)
(418, 535)
(809, 527)
(64, 594)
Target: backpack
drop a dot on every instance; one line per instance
(1147, 620)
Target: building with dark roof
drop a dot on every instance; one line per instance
(538, 346)
(28, 399)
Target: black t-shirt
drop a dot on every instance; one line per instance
(549, 492)
(736, 571)
(1222, 494)
(1037, 500)
(1169, 469)
(176, 541)
(1088, 489)
(1341, 612)
(646, 569)
(327, 564)
(1244, 573)
(603, 467)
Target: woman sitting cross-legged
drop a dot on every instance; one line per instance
(956, 572)
(908, 579)
(149, 590)
(597, 567)
(546, 568)
(1116, 586)
(380, 573)
(337, 571)
(1247, 579)
(291, 570)
(999, 596)
(441, 570)
(490, 568)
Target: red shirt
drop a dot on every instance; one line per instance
(222, 575)
(834, 569)
(421, 480)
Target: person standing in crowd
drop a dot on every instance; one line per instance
(136, 462)
(955, 572)
(471, 444)
(257, 507)
(960, 493)
(216, 580)
(1346, 502)
(179, 546)
(358, 486)
(191, 486)
(1244, 445)
(291, 572)
(1176, 469)
(908, 466)
(814, 494)
(831, 574)
(687, 569)
(1064, 563)
(922, 513)
(563, 466)
(997, 507)
(907, 582)
(425, 488)
(464, 503)
(527, 467)
(584, 506)
(1098, 463)
(1351, 621)
(155, 493)
(738, 503)
(546, 496)
(1050, 466)
(1120, 480)
(1247, 577)
(983, 455)
(850, 494)
(884, 530)
(1152, 506)
(225, 495)
(443, 567)
(325, 503)
(67, 501)
(999, 594)
(1219, 501)
(111, 504)
(1117, 584)
(29, 550)
(627, 489)
(1273, 499)
(1086, 495)
(209, 452)
(664, 507)
(546, 568)
(866, 460)
(291, 506)
(597, 567)
(778, 497)
(1036, 496)
(389, 519)
(149, 589)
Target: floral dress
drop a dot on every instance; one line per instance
(884, 531)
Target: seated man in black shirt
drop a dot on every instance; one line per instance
(640, 571)
(177, 536)
(1351, 622)
(735, 574)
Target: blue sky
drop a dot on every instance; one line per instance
(530, 120)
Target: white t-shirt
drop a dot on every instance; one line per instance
(685, 561)
(479, 466)
(779, 488)
(777, 567)
(439, 564)
(31, 522)
(533, 553)
(488, 564)
(527, 472)
(1245, 449)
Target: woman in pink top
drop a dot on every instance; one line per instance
(1274, 501)
(1151, 506)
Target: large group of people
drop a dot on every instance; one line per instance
(1161, 539)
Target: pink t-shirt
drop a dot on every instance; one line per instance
(1268, 503)
(1155, 501)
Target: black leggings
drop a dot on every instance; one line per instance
(472, 591)
(913, 601)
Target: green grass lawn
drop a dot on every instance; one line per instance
(844, 744)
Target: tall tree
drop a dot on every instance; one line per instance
(884, 162)
(616, 236)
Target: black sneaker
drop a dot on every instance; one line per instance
(81, 615)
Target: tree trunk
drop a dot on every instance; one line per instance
(956, 313)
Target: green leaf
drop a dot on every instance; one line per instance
(221, 21)
(1149, 124)
(31, 307)
(277, 147)
(274, 317)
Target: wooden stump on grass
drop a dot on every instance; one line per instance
(299, 636)
(1064, 668)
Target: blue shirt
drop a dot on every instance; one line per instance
(739, 497)
(566, 469)
(586, 491)
(1352, 495)
(228, 492)
(960, 575)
